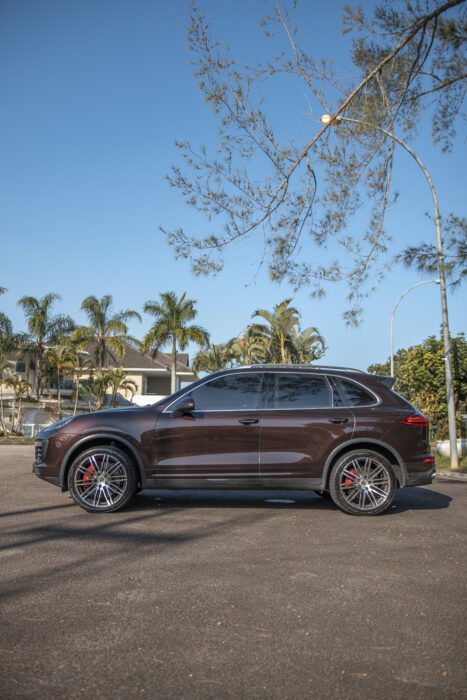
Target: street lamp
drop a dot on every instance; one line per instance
(327, 119)
(394, 311)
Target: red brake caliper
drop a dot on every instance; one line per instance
(349, 479)
(87, 477)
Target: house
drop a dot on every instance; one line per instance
(151, 375)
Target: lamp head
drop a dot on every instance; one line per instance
(327, 119)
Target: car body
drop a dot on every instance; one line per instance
(336, 431)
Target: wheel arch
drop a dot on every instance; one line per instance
(100, 439)
(382, 448)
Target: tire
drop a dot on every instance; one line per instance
(102, 479)
(362, 482)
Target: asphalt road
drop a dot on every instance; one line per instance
(216, 595)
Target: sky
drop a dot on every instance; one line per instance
(93, 94)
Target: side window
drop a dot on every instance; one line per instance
(354, 395)
(298, 391)
(337, 396)
(233, 392)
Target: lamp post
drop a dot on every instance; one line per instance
(327, 119)
(394, 311)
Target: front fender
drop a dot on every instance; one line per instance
(115, 437)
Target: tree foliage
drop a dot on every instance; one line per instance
(421, 378)
(172, 317)
(424, 257)
(59, 360)
(276, 337)
(108, 329)
(118, 381)
(44, 329)
(282, 339)
(94, 388)
(20, 388)
(288, 189)
(214, 358)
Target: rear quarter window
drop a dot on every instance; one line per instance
(354, 394)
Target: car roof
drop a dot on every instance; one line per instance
(322, 369)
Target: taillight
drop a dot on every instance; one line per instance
(417, 419)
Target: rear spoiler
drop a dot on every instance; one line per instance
(388, 382)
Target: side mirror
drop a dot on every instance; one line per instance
(183, 407)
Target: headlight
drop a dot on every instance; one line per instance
(59, 424)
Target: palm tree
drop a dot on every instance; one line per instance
(8, 339)
(20, 388)
(60, 360)
(3, 377)
(23, 389)
(278, 333)
(81, 365)
(171, 316)
(307, 345)
(44, 329)
(107, 329)
(95, 387)
(248, 349)
(213, 359)
(117, 379)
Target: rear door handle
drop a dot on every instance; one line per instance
(248, 421)
(338, 420)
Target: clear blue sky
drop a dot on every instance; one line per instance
(93, 94)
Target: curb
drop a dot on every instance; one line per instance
(452, 475)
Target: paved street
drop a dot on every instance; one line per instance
(214, 595)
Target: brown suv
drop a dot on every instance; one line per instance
(337, 431)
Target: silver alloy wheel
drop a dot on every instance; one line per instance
(365, 483)
(100, 480)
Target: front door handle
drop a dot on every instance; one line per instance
(338, 420)
(248, 421)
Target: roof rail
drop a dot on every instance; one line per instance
(342, 369)
(302, 366)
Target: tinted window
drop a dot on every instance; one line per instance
(355, 395)
(298, 391)
(232, 392)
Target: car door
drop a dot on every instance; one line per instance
(302, 424)
(216, 445)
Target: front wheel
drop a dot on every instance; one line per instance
(362, 482)
(102, 479)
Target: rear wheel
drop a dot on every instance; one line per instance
(362, 482)
(102, 479)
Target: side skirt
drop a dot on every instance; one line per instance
(235, 484)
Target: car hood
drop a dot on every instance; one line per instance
(108, 418)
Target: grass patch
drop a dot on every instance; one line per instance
(16, 440)
(444, 463)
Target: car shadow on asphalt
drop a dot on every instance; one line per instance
(417, 498)
(406, 499)
(288, 500)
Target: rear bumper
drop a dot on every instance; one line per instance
(421, 478)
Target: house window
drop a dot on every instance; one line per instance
(20, 367)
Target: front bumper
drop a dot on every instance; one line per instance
(39, 466)
(38, 470)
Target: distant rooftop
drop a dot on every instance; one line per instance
(134, 359)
